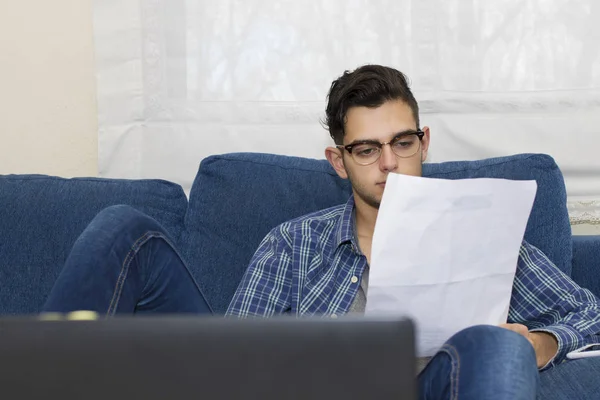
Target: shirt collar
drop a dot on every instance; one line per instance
(345, 225)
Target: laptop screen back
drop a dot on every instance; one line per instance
(209, 358)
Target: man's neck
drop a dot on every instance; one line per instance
(366, 216)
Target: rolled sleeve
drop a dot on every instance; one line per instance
(546, 300)
(568, 340)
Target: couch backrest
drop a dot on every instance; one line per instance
(236, 199)
(42, 216)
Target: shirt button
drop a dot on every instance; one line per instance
(333, 316)
(354, 279)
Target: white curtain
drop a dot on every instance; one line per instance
(179, 80)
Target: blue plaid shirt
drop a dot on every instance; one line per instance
(306, 267)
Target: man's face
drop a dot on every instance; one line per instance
(381, 124)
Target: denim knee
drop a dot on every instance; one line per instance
(507, 345)
(490, 362)
(114, 221)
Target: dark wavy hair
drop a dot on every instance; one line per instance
(367, 86)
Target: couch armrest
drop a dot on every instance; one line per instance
(586, 262)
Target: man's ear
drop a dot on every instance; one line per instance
(334, 156)
(425, 143)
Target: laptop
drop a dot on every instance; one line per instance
(207, 358)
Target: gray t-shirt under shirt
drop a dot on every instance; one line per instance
(360, 301)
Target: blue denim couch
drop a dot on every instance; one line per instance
(235, 200)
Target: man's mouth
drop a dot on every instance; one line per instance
(382, 184)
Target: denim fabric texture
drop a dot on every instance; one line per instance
(42, 216)
(125, 262)
(482, 362)
(586, 262)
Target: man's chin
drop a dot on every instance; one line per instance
(375, 203)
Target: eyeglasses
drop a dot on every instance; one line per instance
(404, 145)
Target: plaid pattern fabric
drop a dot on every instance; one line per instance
(545, 299)
(312, 265)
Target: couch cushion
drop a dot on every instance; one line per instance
(237, 198)
(42, 216)
(548, 227)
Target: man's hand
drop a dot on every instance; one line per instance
(544, 344)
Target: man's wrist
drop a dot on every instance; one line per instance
(545, 345)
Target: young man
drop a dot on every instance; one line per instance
(318, 264)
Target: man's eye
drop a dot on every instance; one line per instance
(366, 152)
(405, 141)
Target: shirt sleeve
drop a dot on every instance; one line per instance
(546, 300)
(265, 288)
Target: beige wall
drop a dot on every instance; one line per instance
(48, 118)
(586, 229)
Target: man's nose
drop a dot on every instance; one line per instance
(388, 161)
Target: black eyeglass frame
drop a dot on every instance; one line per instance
(349, 147)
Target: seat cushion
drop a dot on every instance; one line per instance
(42, 216)
(237, 199)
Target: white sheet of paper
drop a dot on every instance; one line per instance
(445, 253)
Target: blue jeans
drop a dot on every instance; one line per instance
(482, 362)
(488, 362)
(124, 262)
